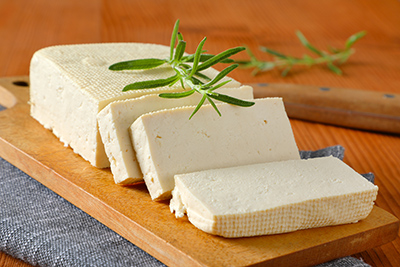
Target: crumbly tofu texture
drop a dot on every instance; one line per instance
(272, 198)
(168, 143)
(70, 84)
(116, 118)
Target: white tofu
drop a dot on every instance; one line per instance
(168, 143)
(70, 84)
(116, 118)
(272, 198)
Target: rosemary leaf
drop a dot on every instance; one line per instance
(305, 42)
(333, 68)
(220, 57)
(272, 52)
(354, 38)
(180, 36)
(213, 105)
(198, 106)
(173, 39)
(197, 81)
(151, 83)
(202, 76)
(285, 72)
(185, 66)
(177, 94)
(180, 49)
(205, 57)
(218, 85)
(231, 100)
(222, 74)
(197, 56)
(138, 64)
(189, 58)
(182, 83)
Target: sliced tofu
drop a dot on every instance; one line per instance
(168, 143)
(116, 118)
(272, 198)
(70, 84)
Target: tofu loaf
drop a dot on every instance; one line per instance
(70, 84)
(116, 118)
(168, 143)
(272, 198)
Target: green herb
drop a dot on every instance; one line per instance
(188, 75)
(286, 63)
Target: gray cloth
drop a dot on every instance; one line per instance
(43, 229)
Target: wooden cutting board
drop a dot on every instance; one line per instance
(130, 212)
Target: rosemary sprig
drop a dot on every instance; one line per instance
(188, 75)
(286, 62)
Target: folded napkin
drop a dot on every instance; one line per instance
(43, 229)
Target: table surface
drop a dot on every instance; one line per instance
(26, 26)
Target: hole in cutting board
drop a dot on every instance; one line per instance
(20, 83)
(389, 96)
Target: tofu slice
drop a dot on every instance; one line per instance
(272, 198)
(116, 118)
(168, 143)
(70, 84)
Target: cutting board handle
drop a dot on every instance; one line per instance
(359, 109)
(14, 90)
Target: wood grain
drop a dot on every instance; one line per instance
(26, 26)
(130, 211)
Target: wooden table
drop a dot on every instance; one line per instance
(26, 26)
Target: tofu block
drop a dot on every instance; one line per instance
(116, 118)
(273, 198)
(70, 84)
(168, 143)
